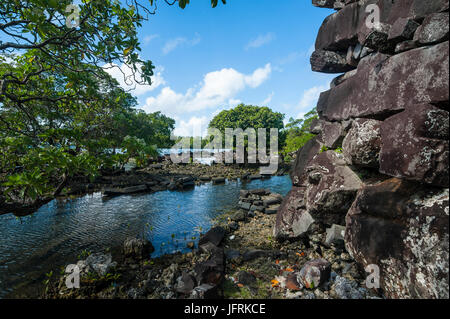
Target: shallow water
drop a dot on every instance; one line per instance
(56, 234)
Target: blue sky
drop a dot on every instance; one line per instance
(250, 51)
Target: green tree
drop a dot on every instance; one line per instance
(298, 132)
(248, 116)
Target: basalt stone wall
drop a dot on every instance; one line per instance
(379, 162)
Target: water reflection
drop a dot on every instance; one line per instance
(60, 230)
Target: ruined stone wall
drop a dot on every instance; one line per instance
(379, 162)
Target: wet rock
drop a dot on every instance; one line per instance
(293, 220)
(405, 234)
(215, 236)
(329, 199)
(347, 289)
(434, 29)
(415, 145)
(361, 146)
(315, 273)
(137, 249)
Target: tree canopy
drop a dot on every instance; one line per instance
(61, 114)
(298, 132)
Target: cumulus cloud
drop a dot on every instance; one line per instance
(195, 126)
(268, 99)
(149, 38)
(172, 44)
(129, 82)
(261, 40)
(309, 99)
(218, 88)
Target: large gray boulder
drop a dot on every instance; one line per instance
(329, 62)
(330, 188)
(303, 158)
(293, 220)
(385, 85)
(361, 146)
(434, 29)
(402, 227)
(415, 145)
(348, 26)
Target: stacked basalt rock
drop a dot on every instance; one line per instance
(259, 200)
(379, 163)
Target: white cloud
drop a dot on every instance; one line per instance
(233, 102)
(129, 82)
(216, 89)
(149, 38)
(310, 96)
(195, 126)
(261, 40)
(175, 43)
(268, 99)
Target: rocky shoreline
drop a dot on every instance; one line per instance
(160, 176)
(239, 258)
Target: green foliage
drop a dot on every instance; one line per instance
(323, 149)
(249, 116)
(61, 115)
(298, 133)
